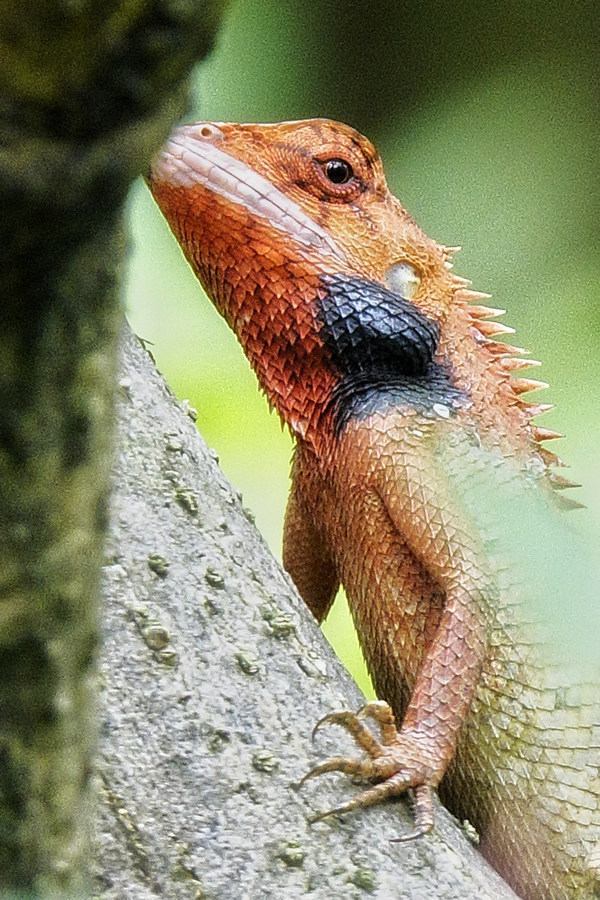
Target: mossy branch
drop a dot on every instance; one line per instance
(89, 90)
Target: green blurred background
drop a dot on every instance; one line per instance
(487, 118)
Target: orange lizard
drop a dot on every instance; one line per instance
(404, 408)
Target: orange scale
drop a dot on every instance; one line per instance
(274, 256)
(261, 278)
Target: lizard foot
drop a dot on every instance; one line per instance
(396, 761)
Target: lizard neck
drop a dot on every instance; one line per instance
(268, 292)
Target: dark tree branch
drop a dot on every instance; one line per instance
(88, 92)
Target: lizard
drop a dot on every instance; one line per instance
(404, 402)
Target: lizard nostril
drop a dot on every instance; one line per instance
(206, 131)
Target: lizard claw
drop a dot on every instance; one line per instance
(377, 710)
(333, 718)
(424, 819)
(336, 764)
(396, 762)
(396, 784)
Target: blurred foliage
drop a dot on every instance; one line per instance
(487, 117)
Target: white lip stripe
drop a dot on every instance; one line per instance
(187, 160)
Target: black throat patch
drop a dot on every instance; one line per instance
(384, 346)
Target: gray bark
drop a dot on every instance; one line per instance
(214, 674)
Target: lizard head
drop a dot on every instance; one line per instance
(273, 212)
(319, 182)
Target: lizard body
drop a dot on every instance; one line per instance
(405, 411)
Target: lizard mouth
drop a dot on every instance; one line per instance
(191, 157)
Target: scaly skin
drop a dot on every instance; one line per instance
(404, 411)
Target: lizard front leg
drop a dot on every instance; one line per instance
(306, 555)
(418, 543)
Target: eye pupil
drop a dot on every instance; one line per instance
(338, 171)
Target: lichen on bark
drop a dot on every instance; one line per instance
(89, 91)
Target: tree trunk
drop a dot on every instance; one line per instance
(89, 91)
(214, 674)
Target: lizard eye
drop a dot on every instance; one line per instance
(338, 171)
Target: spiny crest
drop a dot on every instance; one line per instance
(508, 359)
